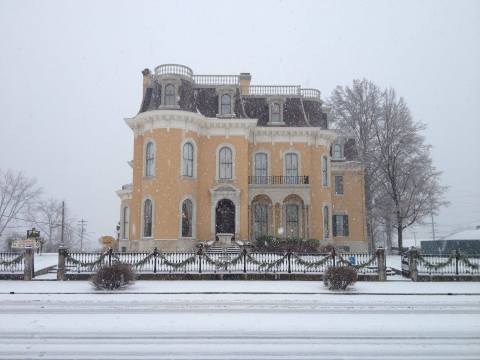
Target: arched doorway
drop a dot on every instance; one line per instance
(225, 217)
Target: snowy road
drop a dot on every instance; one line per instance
(181, 323)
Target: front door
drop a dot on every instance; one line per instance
(225, 217)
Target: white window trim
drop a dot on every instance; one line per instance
(176, 83)
(226, 91)
(328, 171)
(330, 217)
(195, 157)
(341, 213)
(342, 155)
(291, 151)
(194, 218)
(281, 102)
(144, 157)
(142, 228)
(262, 151)
(217, 162)
(125, 234)
(335, 184)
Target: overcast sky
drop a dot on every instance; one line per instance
(70, 74)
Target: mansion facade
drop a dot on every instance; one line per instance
(216, 158)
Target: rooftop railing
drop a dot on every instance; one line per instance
(260, 90)
(310, 93)
(216, 79)
(173, 69)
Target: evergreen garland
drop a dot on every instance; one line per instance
(224, 264)
(310, 264)
(176, 265)
(13, 261)
(430, 265)
(359, 266)
(266, 265)
(90, 265)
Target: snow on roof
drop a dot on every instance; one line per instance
(472, 234)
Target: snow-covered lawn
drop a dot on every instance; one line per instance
(45, 260)
(239, 320)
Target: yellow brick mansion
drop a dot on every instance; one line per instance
(217, 158)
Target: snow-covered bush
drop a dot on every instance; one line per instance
(338, 278)
(113, 277)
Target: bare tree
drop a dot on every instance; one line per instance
(355, 110)
(17, 194)
(407, 174)
(46, 216)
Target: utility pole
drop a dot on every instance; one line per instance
(82, 223)
(62, 244)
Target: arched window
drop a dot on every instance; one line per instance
(149, 159)
(170, 95)
(226, 105)
(261, 168)
(187, 159)
(291, 168)
(324, 171)
(292, 221)
(187, 218)
(275, 113)
(147, 218)
(326, 222)
(261, 219)
(125, 219)
(337, 151)
(225, 163)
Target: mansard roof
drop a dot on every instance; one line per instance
(200, 94)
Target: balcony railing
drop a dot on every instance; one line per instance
(279, 180)
(206, 80)
(174, 69)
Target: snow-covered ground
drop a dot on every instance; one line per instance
(240, 320)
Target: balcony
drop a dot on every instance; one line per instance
(174, 69)
(279, 180)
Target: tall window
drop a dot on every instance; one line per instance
(147, 218)
(291, 168)
(149, 159)
(324, 171)
(226, 105)
(187, 159)
(170, 95)
(292, 220)
(275, 113)
(261, 170)
(339, 185)
(261, 220)
(225, 163)
(337, 151)
(326, 226)
(340, 225)
(125, 218)
(187, 218)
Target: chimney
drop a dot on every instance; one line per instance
(245, 79)
(147, 80)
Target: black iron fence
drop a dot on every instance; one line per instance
(415, 264)
(224, 262)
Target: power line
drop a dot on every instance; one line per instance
(82, 223)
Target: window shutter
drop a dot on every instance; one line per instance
(334, 225)
(345, 225)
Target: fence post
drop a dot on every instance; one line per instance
(28, 264)
(382, 271)
(155, 253)
(412, 264)
(244, 251)
(457, 255)
(289, 257)
(333, 257)
(110, 251)
(62, 252)
(199, 253)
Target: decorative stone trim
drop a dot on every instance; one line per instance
(224, 191)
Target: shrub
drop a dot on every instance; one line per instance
(338, 278)
(326, 248)
(271, 243)
(113, 277)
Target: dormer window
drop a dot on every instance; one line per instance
(337, 151)
(275, 113)
(225, 104)
(169, 98)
